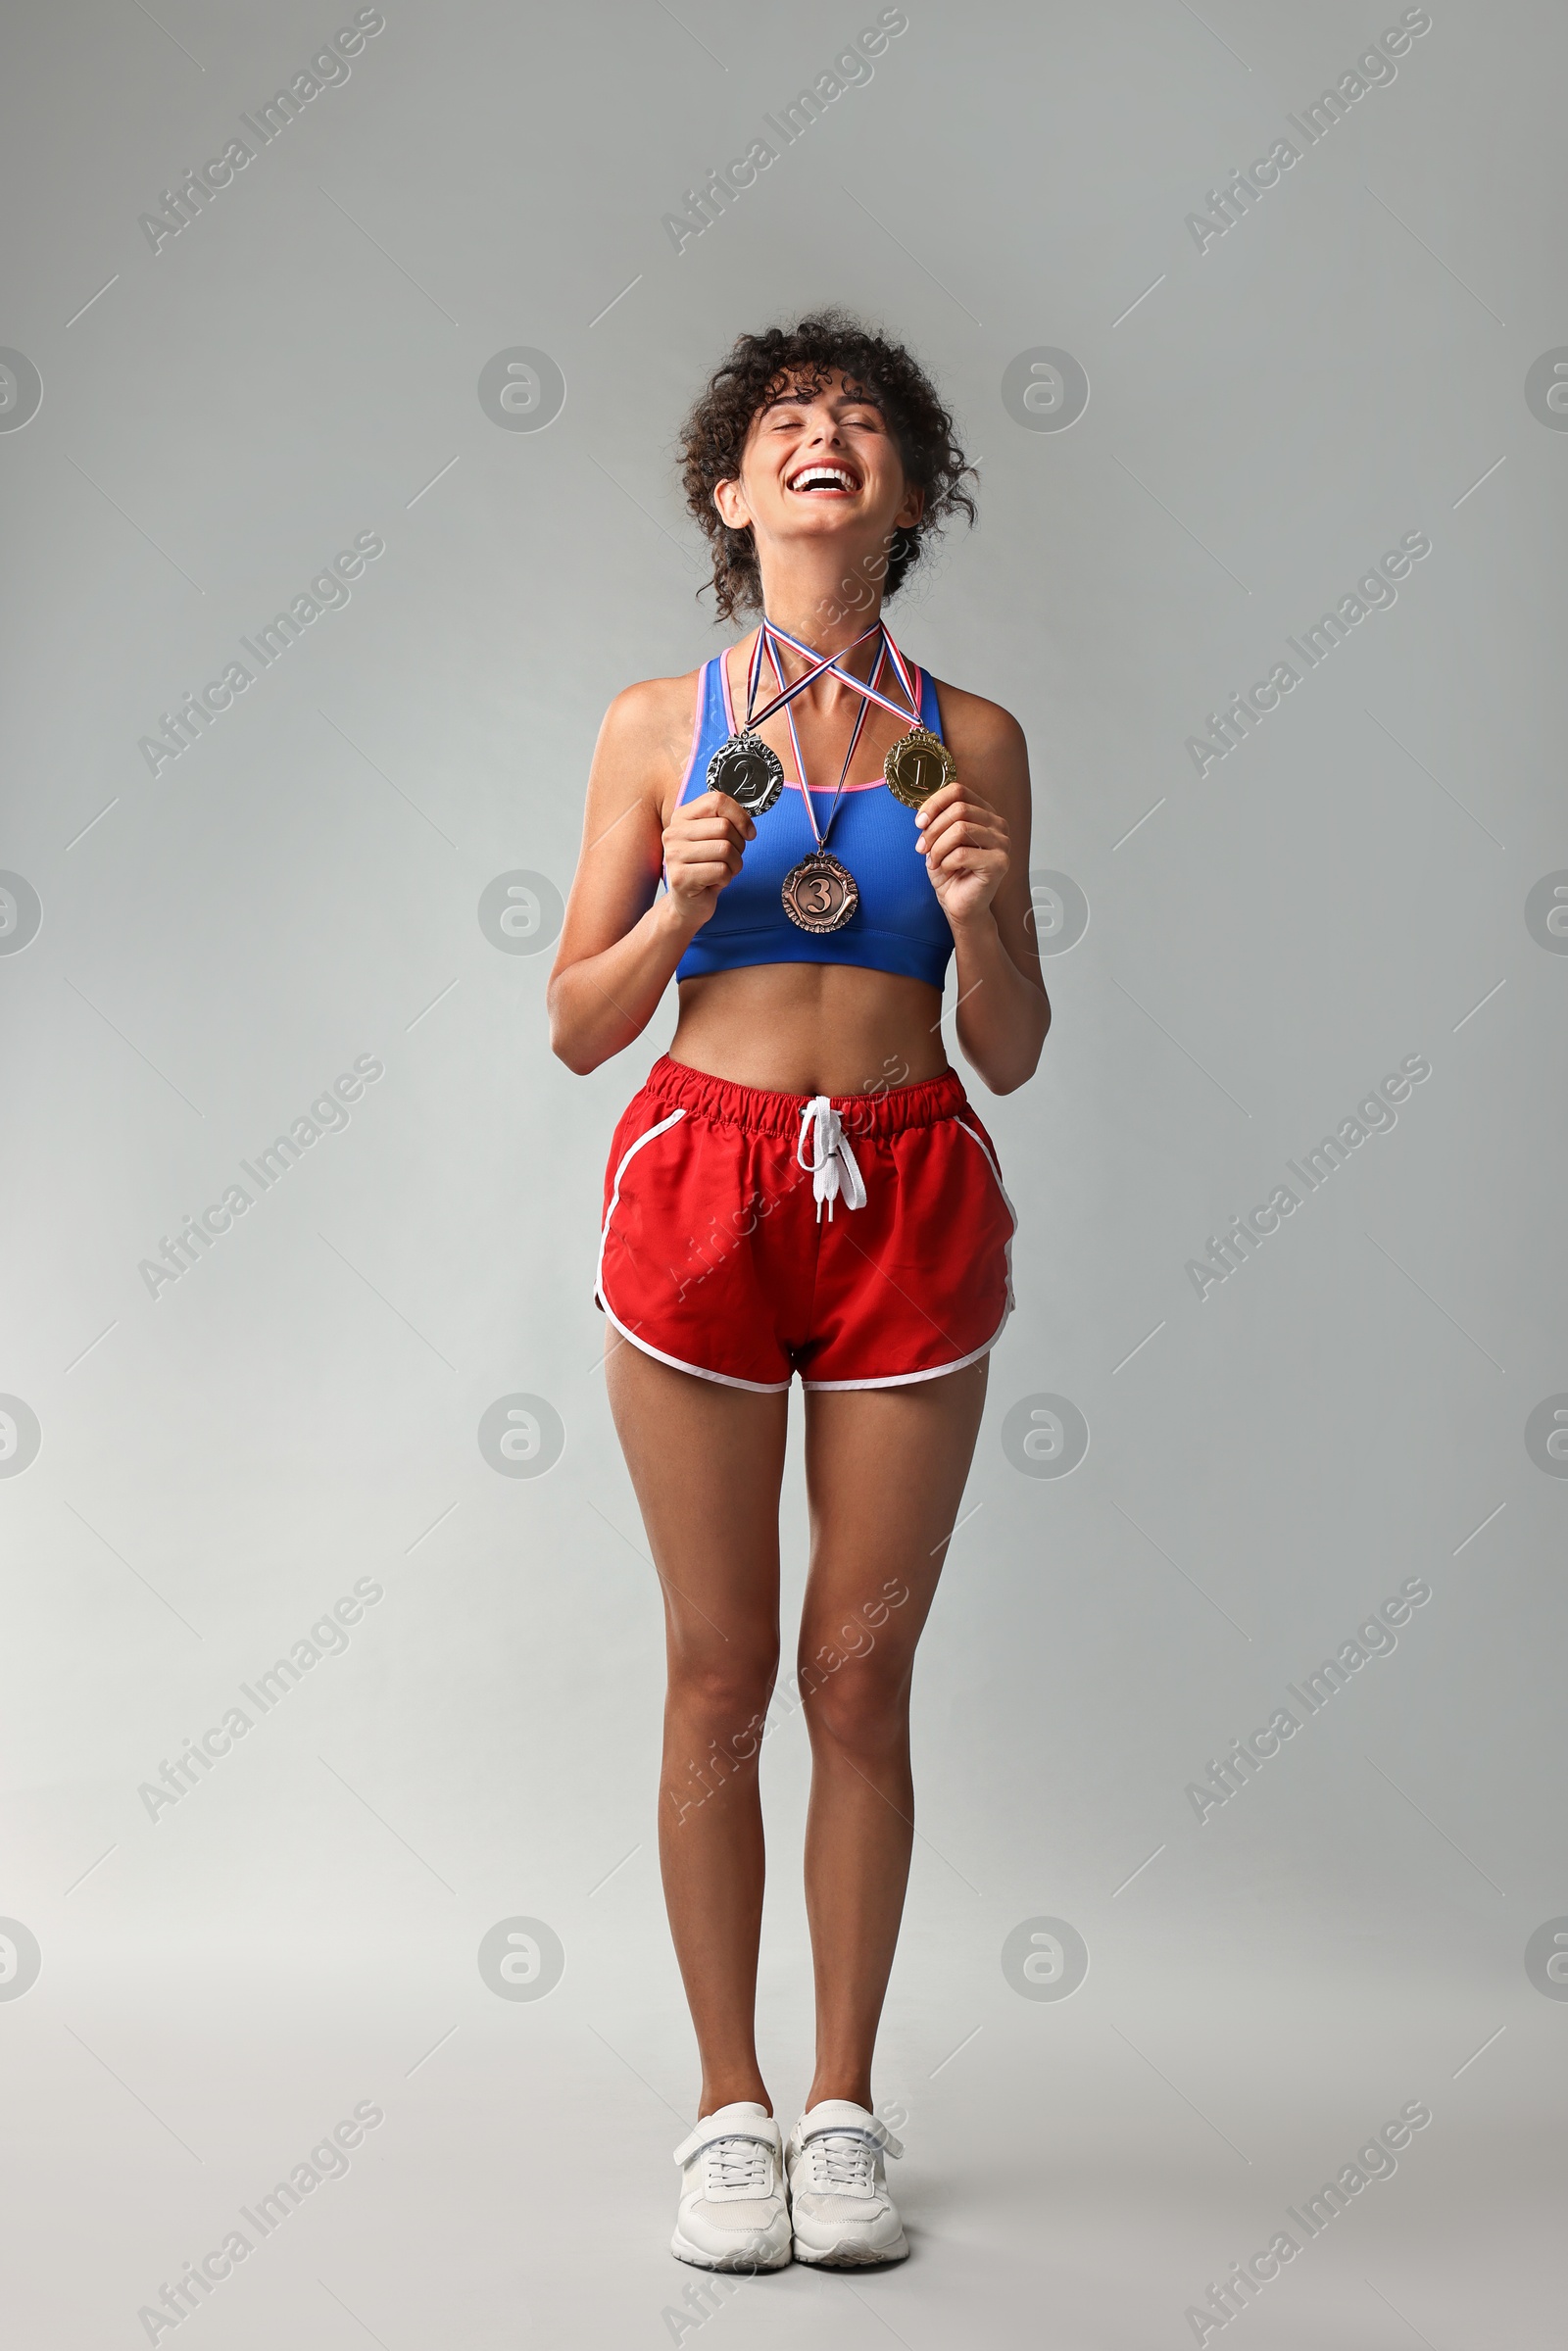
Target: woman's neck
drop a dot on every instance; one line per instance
(826, 603)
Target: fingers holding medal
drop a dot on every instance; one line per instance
(704, 844)
(965, 845)
(961, 836)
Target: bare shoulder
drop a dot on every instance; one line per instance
(981, 734)
(643, 744)
(653, 707)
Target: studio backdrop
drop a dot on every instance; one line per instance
(341, 367)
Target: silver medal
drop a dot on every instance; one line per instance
(752, 774)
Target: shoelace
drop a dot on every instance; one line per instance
(842, 2161)
(737, 2163)
(831, 1164)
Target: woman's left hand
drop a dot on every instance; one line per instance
(965, 845)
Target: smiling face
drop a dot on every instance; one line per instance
(819, 464)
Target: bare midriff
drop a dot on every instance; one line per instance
(811, 1028)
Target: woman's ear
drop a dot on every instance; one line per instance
(910, 512)
(731, 505)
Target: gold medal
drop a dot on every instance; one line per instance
(918, 765)
(819, 893)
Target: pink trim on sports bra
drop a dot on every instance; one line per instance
(697, 736)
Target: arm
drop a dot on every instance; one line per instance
(621, 938)
(974, 836)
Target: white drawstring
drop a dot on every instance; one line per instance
(831, 1165)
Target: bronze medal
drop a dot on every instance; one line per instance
(918, 765)
(746, 770)
(819, 893)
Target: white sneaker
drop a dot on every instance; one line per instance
(843, 2214)
(733, 2213)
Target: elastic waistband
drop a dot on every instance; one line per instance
(758, 1112)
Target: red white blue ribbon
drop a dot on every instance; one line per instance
(774, 637)
(910, 708)
(820, 661)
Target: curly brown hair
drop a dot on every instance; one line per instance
(806, 355)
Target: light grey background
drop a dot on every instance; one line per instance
(219, 1465)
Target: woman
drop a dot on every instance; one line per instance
(801, 1185)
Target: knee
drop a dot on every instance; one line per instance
(721, 1694)
(862, 1709)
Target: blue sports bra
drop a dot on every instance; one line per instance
(898, 926)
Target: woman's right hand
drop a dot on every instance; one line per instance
(623, 936)
(703, 843)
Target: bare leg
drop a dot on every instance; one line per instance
(707, 1463)
(886, 1470)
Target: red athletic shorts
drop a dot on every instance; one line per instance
(861, 1241)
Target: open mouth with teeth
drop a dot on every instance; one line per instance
(825, 481)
